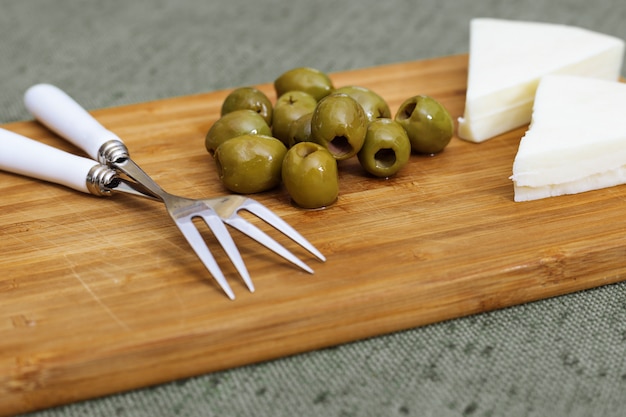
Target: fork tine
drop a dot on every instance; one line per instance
(271, 218)
(197, 243)
(223, 236)
(260, 236)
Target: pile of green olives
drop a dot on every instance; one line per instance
(298, 140)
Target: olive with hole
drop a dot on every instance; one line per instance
(248, 98)
(339, 124)
(233, 124)
(290, 107)
(427, 122)
(250, 163)
(310, 175)
(300, 130)
(309, 80)
(386, 148)
(374, 105)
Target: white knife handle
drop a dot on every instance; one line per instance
(24, 156)
(62, 114)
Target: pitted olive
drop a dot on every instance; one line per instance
(386, 149)
(290, 107)
(375, 106)
(250, 163)
(233, 124)
(309, 80)
(339, 124)
(427, 122)
(310, 175)
(248, 98)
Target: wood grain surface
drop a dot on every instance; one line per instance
(100, 295)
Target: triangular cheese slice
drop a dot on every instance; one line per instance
(507, 59)
(576, 140)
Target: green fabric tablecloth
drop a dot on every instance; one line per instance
(559, 357)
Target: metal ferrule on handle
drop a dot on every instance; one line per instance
(115, 154)
(112, 152)
(101, 180)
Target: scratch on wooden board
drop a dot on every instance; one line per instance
(98, 299)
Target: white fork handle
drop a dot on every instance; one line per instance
(63, 115)
(24, 156)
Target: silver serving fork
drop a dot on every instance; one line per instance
(58, 111)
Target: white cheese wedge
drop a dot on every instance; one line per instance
(576, 140)
(507, 59)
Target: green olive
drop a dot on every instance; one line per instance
(249, 98)
(310, 175)
(427, 122)
(233, 124)
(309, 80)
(290, 107)
(339, 124)
(375, 106)
(386, 149)
(250, 163)
(300, 130)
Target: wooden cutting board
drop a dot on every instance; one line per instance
(100, 295)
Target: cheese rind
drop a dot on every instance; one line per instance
(576, 140)
(508, 58)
